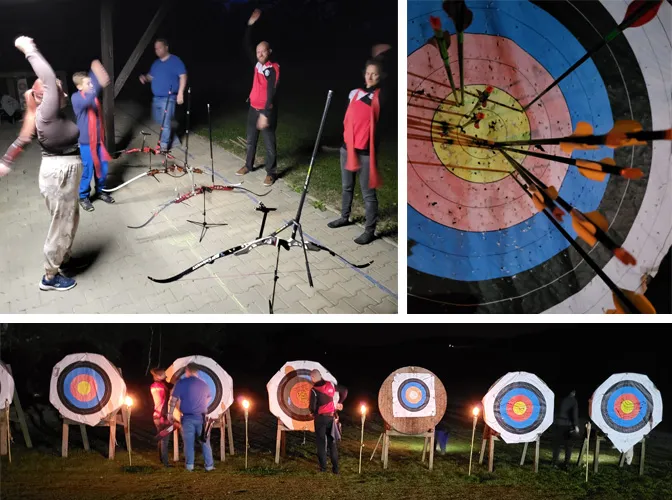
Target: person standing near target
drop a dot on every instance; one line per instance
(324, 411)
(160, 390)
(263, 113)
(194, 396)
(360, 143)
(566, 428)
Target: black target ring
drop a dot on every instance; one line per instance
(401, 397)
(285, 388)
(107, 384)
(618, 423)
(522, 389)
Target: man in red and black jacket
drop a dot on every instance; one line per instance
(160, 390)
(324, 410)
(263, 114)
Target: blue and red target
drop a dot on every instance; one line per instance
(520, 408)
(413, 395)
(209, 377)
(84, 388)
(627, 406)
(475, 241)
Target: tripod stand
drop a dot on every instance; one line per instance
(205, 189)
(295, 223)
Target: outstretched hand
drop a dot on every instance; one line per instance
(4, 169)
(379, 49)
(25, 44)
(101, 75)
(254, 17)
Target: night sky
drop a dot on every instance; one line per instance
(467, 358)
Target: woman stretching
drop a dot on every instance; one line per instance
(61, 166)
(360, 142)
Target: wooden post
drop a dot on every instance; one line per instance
(432, 445)
(641, 457)
(126, 420)
(85, 438)
(141, 46)
(222, 438)
(387, 449)
(596, 458)
(232, 451)
(64, 439)
(536, 454)
(107, 51)
(283, 444)
(112, 446)
(491, 454)
(176, 446)
(19, 414)
(522, 457)
(278, 439)
(4, 440)
(424, 449)
(482, 455)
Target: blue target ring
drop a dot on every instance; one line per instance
(520, 408)
(84, 388)
(409, 387)
(618, 413)
(478, 268)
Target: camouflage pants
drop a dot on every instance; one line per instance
(59, 185)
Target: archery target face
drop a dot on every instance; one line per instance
(289, 393)
(626, 407)
(86, 388)
(413, 395)
(476, 243)
(218, 380)
(519, 406)
(6, 387)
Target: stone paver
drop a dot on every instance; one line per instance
(116, 282)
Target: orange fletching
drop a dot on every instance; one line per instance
(639, 301)
(583, 232)
(625, 257)
(598, 219)
(435, 23)
(632, 173)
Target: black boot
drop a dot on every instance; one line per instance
(365, 238)
(340, 222)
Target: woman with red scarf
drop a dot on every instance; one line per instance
(360, 142)
(89, 113)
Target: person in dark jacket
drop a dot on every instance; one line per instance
(566, 427)
(324, 412)
(160, 390)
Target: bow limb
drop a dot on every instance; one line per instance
(315, 247)
(125, 183)
(237, 250)
(162, 207)
(252, 192)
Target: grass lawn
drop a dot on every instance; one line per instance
(296, 135)
(42, 474)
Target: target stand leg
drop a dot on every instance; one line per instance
(176, 446)
(3, 435)
(112, 445)
(641, 457)
(491, 454)
(85, 437)
(386, 447)
(222, 438)
(536, 454)
(424, 449)
(523, 456)
(596, 458)
(16, 403)
(432, 445)
(64, 439)
(229, 422)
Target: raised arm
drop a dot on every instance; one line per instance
(248, 45)
(25, 136)
(51, 97)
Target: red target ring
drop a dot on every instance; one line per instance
(519, 408)
(83, 388)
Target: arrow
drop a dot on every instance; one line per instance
(591, 227)
(624, 133)
(624, 301)
(462, 17)
(639, 13)
(642, 304)
(441, 41)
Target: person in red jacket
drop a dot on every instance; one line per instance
(160, 390)
(263, 114)
(324, 410)
(360, 143)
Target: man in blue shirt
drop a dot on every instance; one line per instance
(194, 397)
(168, 77)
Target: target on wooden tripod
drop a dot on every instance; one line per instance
(219, 382)
(86, 388)
(6, 387)
(519, 406)
(412, 400)
(626, 407)
(289, 394)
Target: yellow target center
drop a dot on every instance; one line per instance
(84, 387)
(519, 408)
(627, 406)
(499, 123)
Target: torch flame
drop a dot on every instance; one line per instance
(246, 404)
(475, 411)
(128, 401)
